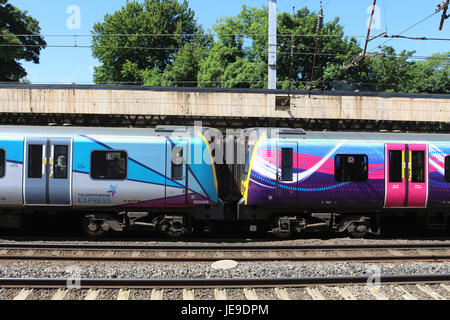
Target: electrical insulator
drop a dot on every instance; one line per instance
(319, 22)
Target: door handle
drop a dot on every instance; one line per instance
(52, 150)
(44, 160)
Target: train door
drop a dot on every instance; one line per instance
(176, 172)
(417, 194)
(287, 176)
(406, 175)
(47, 171)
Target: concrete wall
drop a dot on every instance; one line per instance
(221, 103)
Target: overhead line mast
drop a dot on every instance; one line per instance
(272, 78)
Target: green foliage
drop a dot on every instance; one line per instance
(432, 75)
(181, 72)
(394, 72)
(170, 18)
(243, 43)
(13, 21)
(237, 56)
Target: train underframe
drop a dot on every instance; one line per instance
(282, 222)
(288, 221)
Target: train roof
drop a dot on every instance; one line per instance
(300, 134)
(162, 131)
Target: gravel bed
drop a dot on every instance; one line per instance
(211, 242)
(235, 294)
(76, 294)
(330, 293)
(412, 289)
(442, 291)
(392, 292)
(8, 294)
(140, 294)
(173, 294)
(66, 269)
(41, 294)
(266, 294)
(204, 294)
(108, 294)
(360, 292)
(299, 294)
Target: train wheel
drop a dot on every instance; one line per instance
(359, 230)
(92, 228)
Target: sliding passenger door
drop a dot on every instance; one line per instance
(35, 171)
(59, 177)
(287, 176)
(406, 175)
(47, 171)
(417, 175)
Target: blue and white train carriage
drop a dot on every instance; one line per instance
(157, 179)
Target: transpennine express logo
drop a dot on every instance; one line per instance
(112, 190)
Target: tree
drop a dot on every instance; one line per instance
(27, 46)
(242, 47)
(142, 39)
(391, 72)
(394, 72)
(432, 75)
(182, 71)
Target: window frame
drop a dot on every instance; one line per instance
(351, 155)
(284, 165)
(390, 180)
(67, 161)
(173, 165)
(103, 150)
(4, 166)
(423, 176)
(29, 157)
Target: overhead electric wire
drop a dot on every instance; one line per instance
(407, 29)
(173, 35)
(200, 49)
(228, 34)
(419, 38)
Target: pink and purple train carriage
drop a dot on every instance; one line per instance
(341, 181)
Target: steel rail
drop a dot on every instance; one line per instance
(159, 247)
(220, 282)
(182, 258)
(243, 254)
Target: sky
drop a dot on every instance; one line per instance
(77, 17)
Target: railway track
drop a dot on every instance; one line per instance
(408, 287)
(207, 253)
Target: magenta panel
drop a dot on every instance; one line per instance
(418, 190)
(395, 191)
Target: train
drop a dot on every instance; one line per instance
(176, 179)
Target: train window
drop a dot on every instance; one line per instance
(2, 163)
(35, 161)
(286, 164)
(247, 160)
(395, 166)
(447, 168)
(418, 166)
(177, 163)
(60, 161)
(109, 165)
(351, 167)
